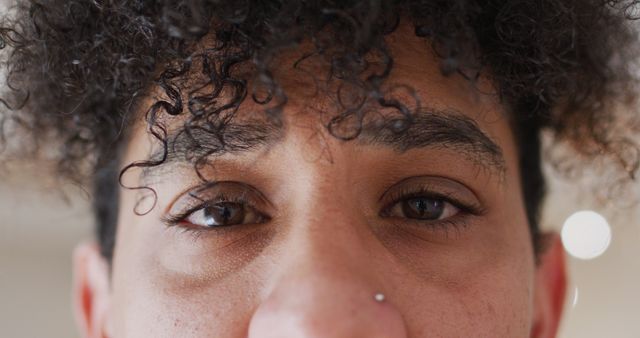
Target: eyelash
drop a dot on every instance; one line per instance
(426, 191)
(454, 223)
(394, 198)
(176, 220)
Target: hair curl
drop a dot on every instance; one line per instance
(76, 71)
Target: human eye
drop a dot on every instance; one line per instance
(218, 205)
(429, 200)
(222, 213)
(426, 208)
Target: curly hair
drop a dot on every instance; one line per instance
(77, 70)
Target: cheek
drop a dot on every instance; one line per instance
(162, 294)
(152, 303)
(491, 299)
(151, 307)
(478, 286)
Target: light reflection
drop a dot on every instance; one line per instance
(586, 234)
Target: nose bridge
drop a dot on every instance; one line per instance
(332, 249)
(325, 235)
(327, 230)
(328, 234)
(325, 281)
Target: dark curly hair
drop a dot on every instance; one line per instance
(77, 72)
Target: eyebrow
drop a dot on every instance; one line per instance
(423, 129)
(195, 142)
(436, 129)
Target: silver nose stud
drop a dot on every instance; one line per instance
(379, 297)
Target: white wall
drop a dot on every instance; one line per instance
(37, 233)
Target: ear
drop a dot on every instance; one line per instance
(91, 293)
(550, 288)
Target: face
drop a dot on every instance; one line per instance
(294, 235)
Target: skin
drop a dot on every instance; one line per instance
(313, 269)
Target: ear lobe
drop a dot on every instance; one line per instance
(91, 292)
(550, 289)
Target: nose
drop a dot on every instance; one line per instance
(327, 292)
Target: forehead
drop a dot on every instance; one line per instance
(404, 66)
(407, 70)
(305, 96)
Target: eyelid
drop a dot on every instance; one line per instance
(196, 198)
(435, 187)
(255, 196)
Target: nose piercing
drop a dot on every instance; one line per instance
(379, 297)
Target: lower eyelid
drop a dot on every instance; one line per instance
(438, 231)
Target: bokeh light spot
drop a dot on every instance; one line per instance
(586, 234)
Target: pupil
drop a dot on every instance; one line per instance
(224, 214)
(423, 208)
